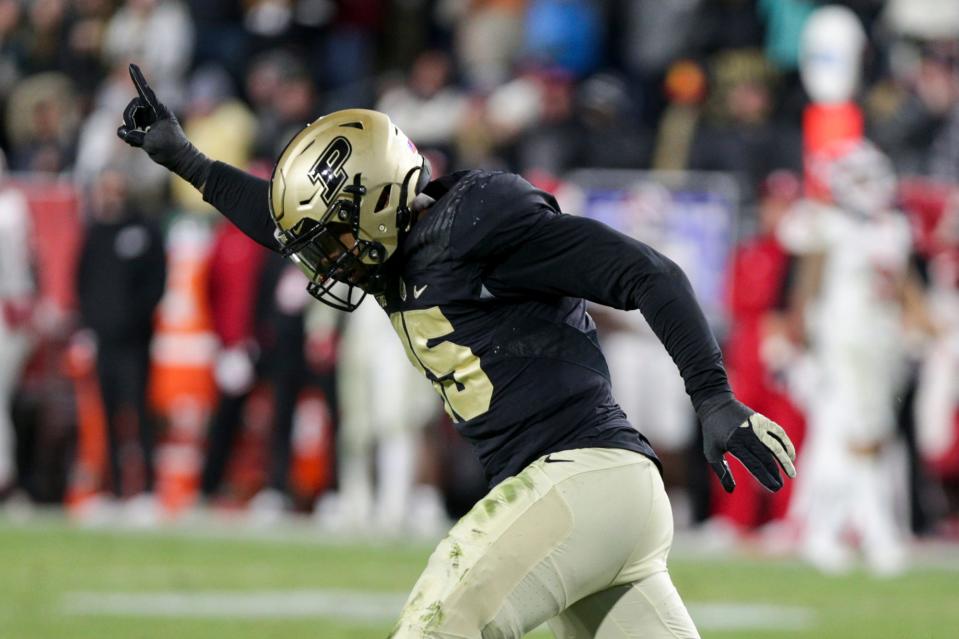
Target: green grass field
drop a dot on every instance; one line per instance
(61, 581)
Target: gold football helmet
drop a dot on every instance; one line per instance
(341, 197)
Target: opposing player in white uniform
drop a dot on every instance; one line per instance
(855, 281)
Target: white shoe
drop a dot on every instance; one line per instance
(142, 511)
(268, 507)
(779, 538)
(335, 515)
(96, 511)
(829, 557)
(890, 561)
(427, 518)
(717, 536)
(18, 507)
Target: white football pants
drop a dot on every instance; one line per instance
(579, 539)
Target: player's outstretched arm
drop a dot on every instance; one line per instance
(241, 197)
(558, 254)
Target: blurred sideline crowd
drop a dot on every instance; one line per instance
(155, 363)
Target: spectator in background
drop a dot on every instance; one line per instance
(343, 58)
(566, 34)
(592, 125)
(944, 159)
(493, 122)
(267, 22)
(44, 50)
(218, 123)
(914, 115)
(42, 121)
(157, 34)
(784, 23)
(281, 304)
(428, 106)
(757, 297)
(295, 102)
(925, 20)
(937, 394)
(219, 36)
(488, 38)
(652, 35)
(84, 55)
(412, 29)
(739, 134)
(724, 25)
(17, 292)
(685, 90)
(551, 143)
(612, 135)
(234, 273)
(12, 46)
(120, 280)
(283, 97)
(262, 82)
(97, 150)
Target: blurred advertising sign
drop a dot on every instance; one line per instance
(690, 217)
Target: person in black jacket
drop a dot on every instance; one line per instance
(485, 282)
(120, 281)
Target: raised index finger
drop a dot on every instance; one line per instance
(143, 88)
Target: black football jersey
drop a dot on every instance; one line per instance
(520, 374)
(488, 294)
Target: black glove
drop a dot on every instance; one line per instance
(147, 123)
(729, 426)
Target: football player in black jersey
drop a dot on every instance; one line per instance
(486, 282)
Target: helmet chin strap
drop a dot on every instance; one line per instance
(404, 214)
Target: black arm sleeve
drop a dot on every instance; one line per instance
(578, 257)
(244, 200)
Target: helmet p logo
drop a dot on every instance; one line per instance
(327, 171)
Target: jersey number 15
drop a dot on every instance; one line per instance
(452, 368)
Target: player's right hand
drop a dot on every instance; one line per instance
(729, 426)
(149, 124)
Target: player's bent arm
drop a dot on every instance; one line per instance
(578, 257)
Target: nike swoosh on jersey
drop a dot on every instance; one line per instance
(549, 460)
(417, 291)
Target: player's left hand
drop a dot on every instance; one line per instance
(758, 442)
